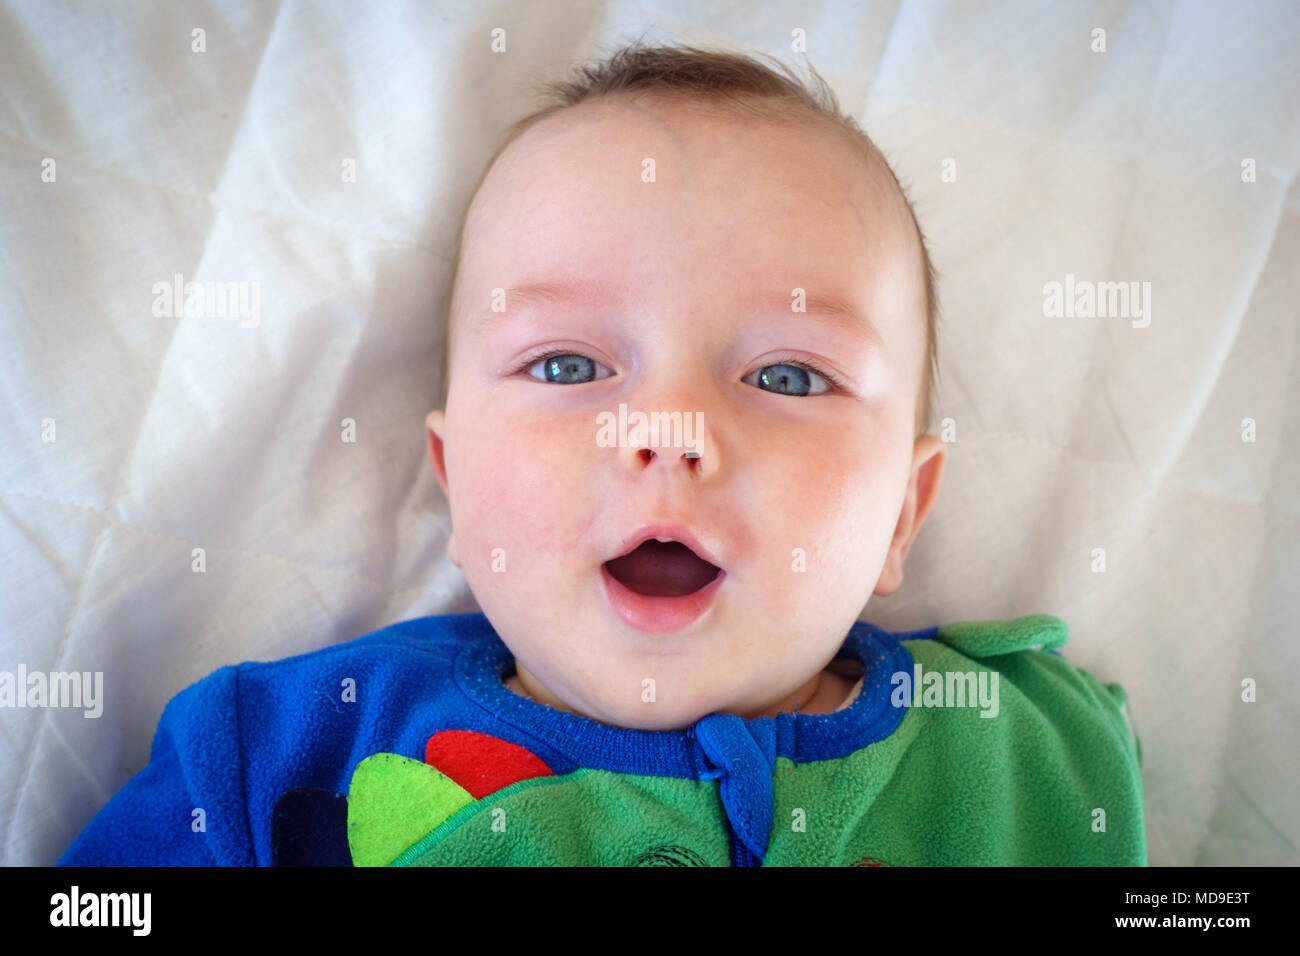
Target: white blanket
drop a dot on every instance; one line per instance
(130, 438)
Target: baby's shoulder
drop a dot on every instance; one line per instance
(999, 718)
(422, 644)
(1037, 678)
(383, 668)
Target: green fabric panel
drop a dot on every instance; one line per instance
(392, 802)
(586, 818)
(952, 788)
(991, 638)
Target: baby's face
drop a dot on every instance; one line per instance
(664, 243)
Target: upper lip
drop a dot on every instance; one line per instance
(668, 532)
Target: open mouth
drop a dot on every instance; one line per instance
(662, 569)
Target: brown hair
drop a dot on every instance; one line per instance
(691, 71)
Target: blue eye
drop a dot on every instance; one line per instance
(784, 379)
(567, 369)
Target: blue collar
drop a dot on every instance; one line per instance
(483, 662)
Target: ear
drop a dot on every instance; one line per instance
(435, 428)
(928, 458)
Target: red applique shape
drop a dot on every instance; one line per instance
(481, 763)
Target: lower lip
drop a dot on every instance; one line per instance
(659, 615)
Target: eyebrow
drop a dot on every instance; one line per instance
(836, 311)
(829, 308)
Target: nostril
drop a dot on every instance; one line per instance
(646, 455)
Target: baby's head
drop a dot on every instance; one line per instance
(693, 233)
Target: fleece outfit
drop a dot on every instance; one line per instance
(405, 748)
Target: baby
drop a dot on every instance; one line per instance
(739, 258)
(668, 668)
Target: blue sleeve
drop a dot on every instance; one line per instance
(195, 765)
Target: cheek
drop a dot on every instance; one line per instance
(836, 500)
(522, 492)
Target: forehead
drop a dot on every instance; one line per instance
(665, 197)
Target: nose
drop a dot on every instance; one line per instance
(681, 442)
(693, 460)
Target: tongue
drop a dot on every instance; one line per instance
(662, 569)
